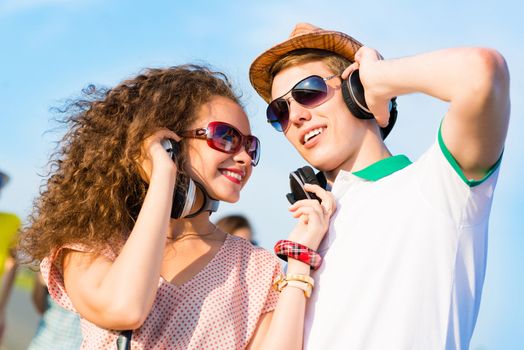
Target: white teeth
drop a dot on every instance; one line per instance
(312, 133)
(232, 174)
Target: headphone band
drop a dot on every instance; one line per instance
(190, 199)
(210, 204)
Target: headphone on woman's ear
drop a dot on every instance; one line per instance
(353, 94)
(185, 197)
(185, 194)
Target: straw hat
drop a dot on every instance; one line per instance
(303, 36)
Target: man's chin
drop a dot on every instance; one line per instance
(321, 163)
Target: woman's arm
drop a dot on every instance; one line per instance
(284, 327)
(119, 294)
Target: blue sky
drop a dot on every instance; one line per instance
(53, 48)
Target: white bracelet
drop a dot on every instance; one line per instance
(303, 282)
(304, 286)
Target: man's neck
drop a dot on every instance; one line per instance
(371, 151)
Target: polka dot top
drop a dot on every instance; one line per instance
(218, 308)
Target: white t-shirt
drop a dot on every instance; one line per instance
(404, 258)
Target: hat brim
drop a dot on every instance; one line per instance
(338, 42)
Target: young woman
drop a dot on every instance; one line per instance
(119, 244)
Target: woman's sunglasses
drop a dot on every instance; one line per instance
(226, 138)
(309, 92)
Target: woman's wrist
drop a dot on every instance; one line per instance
(297, 266)
(286, 249)
(163, 172)
(295, 280)
(299, 236)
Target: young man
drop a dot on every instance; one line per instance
(405, 255)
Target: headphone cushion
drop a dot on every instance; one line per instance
(180, 196)
(352, 87)
(307, 175)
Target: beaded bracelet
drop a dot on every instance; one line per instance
(284, 249)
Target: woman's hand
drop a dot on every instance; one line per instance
(313, 217)
(153, 155)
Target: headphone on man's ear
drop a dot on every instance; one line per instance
(185, 194)
(353, 94)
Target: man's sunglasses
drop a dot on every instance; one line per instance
(309, 92)
(226, 138)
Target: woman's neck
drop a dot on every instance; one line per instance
(198, 227)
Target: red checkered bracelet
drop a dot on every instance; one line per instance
(285, 249)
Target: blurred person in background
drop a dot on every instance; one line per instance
(58, 328)
(9, 224)
(237, 225)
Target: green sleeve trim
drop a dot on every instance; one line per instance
(458, 170)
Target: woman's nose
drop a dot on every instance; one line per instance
(242, 157)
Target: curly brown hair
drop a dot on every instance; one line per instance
(94, 191)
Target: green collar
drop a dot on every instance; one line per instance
(383, 168)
